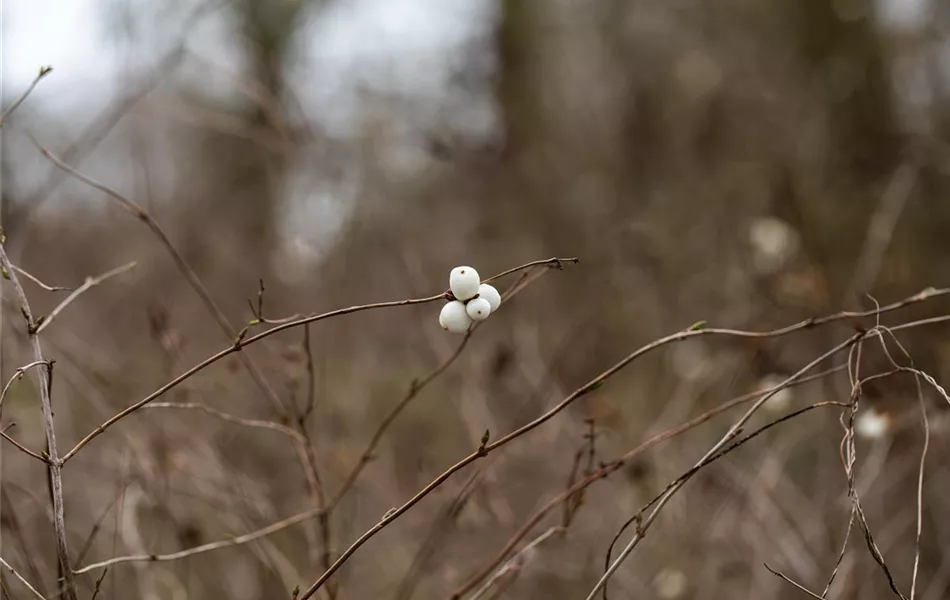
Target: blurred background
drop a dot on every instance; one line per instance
(751, 164)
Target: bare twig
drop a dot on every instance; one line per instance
(95, 592)
(645, 522)
(54, 466)
(193, 280)
(89, 283)
(17, 375)
(596, 383)
(414, 388)
(793, 582)
(311, 376)
(618, 463)
(236, 347)
(918, 374)
(300, 442)
(235, 541)
(36, 280)
(134, 92)
(23, 448)
(43, 72)
(22, 579)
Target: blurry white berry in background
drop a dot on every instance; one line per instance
(489, 293)
(774, 242)
(464, 281)
(478, 309)
(454, 317)
(871, 424)
(782, 398)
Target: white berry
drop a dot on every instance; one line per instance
(454, 317)
(478, 309)
(463, 281)
(488, 292)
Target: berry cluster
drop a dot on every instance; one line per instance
(474, 300)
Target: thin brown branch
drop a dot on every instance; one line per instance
(414, 389)
(43, 72)
(596, 383)
(54, 466)
(22, 579)
(17, 375)
(918, 374)
(23, 448)
(102, 577)
(90, 282)
(793, 582)
(184, 268)
(554, 263)
(616, 464)
(486, 448)
(661, 501)
(235, 541)
(300, 443)
(240, 344)
(36, 280)
(925, 421)
(311, 376)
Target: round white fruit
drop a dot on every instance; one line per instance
(488, 292)
(454, 317)
(478, 309)
(463, 281)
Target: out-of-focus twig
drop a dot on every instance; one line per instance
(193, 280)
(516, 562)
(235, 541)
(880, 229)
(44, 71)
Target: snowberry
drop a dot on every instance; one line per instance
(478, 309)
(463, 281)
(489, 293)
(454, 317)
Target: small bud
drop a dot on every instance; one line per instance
(454, 318)
(463, 281)
(488, 292)
(478, 309)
